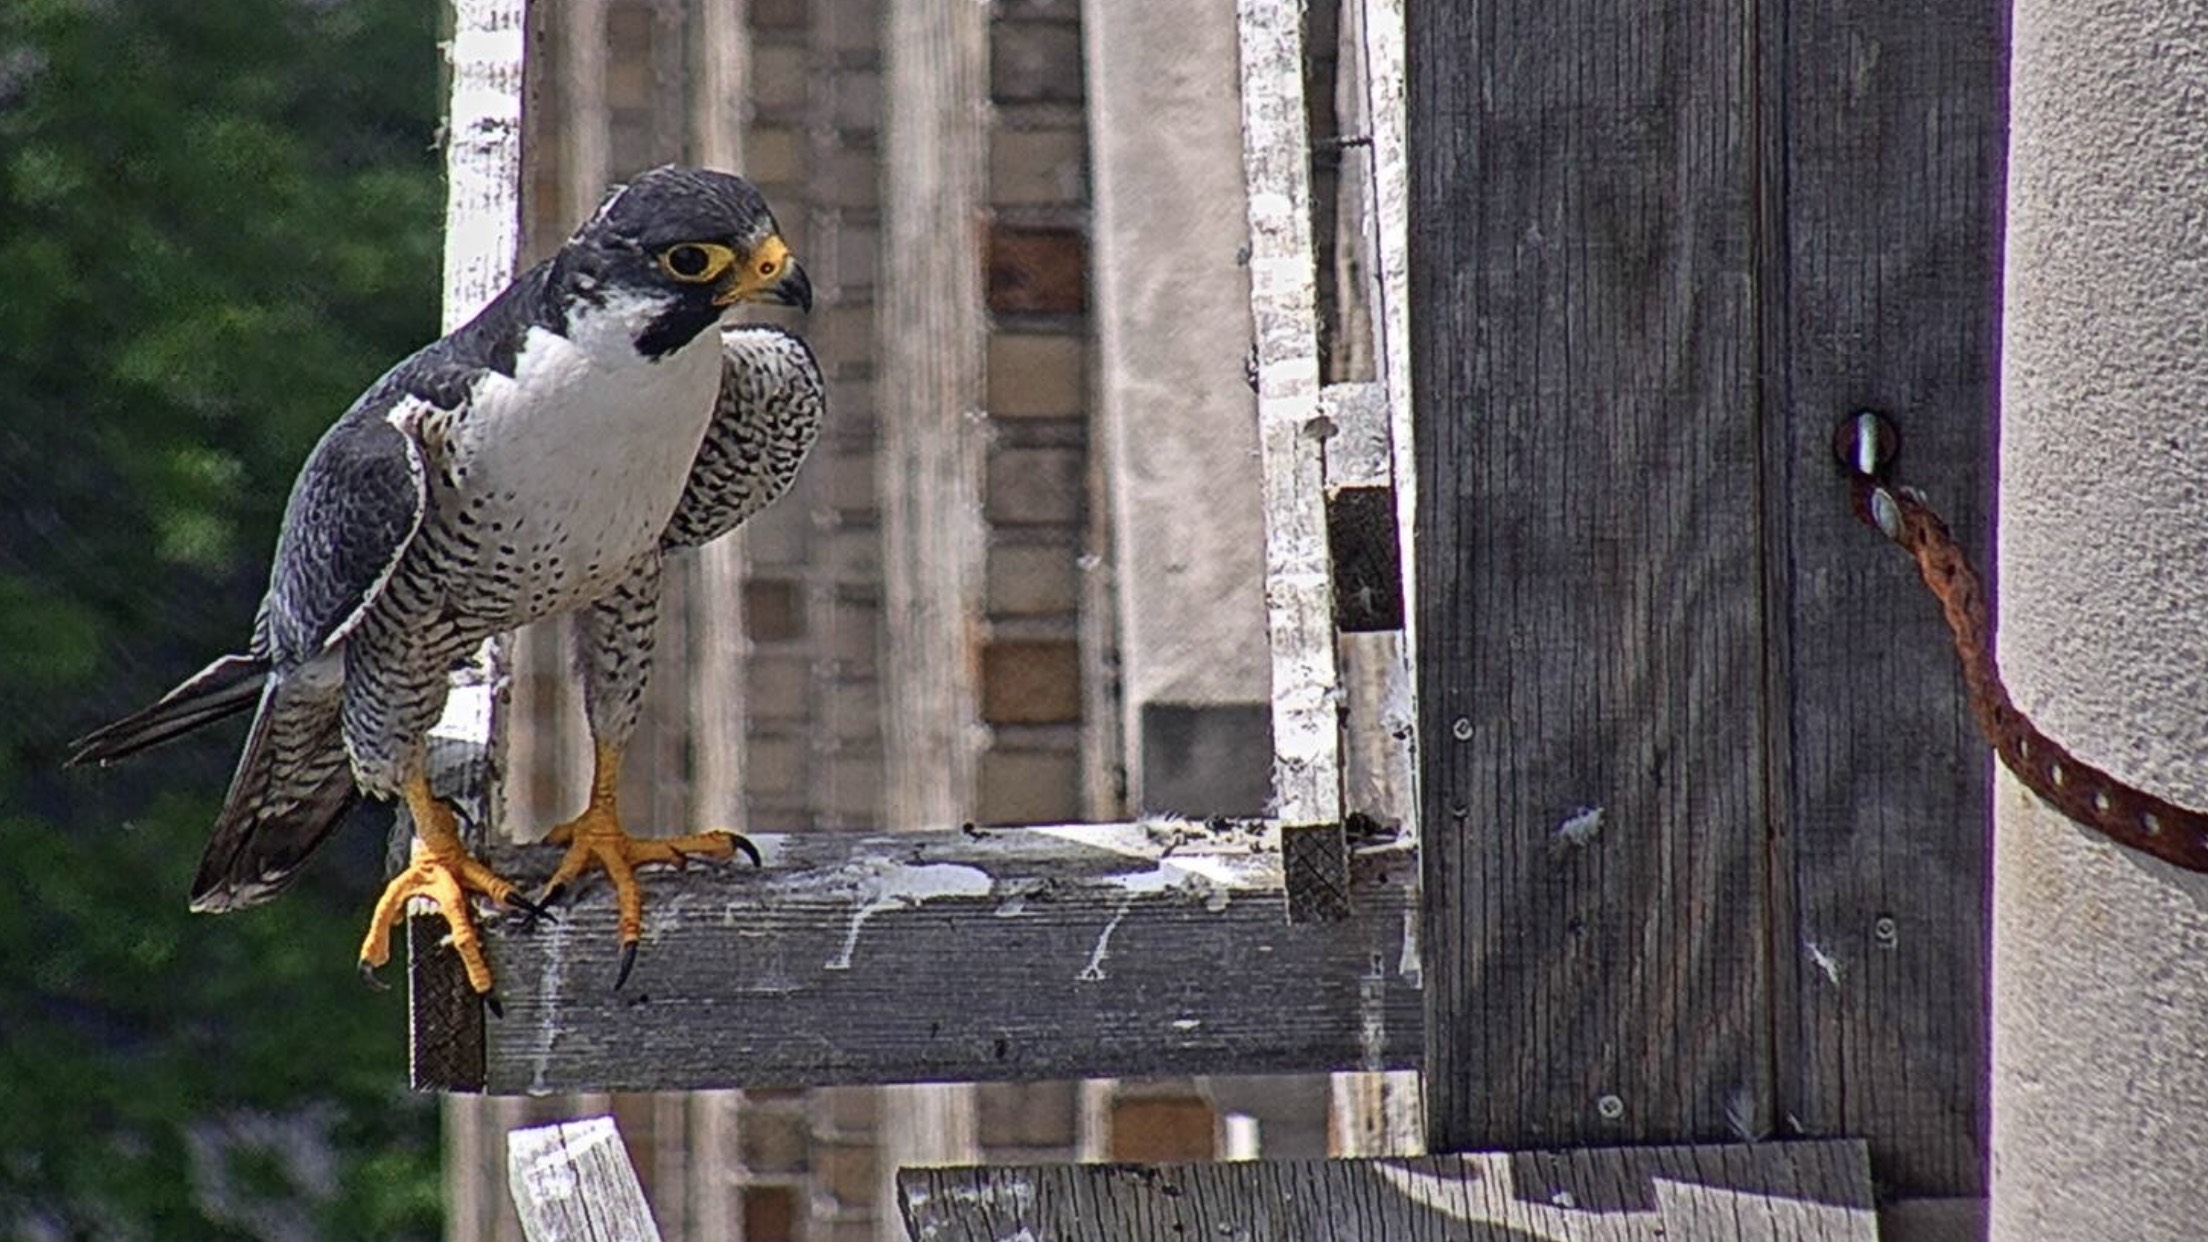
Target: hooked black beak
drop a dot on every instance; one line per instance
(795, 288)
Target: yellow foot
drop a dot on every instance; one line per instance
(443, 871)
(596, 838)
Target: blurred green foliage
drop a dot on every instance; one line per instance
(218, 223)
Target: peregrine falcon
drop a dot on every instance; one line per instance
(542, 459)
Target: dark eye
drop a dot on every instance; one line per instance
(767, 268)
(687, 262)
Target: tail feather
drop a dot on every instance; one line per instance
(221, 690)
(293, 786)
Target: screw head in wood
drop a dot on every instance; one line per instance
(1866, 444)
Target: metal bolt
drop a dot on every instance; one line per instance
(1611, 1107)
(1886, 931)
(1866, 442)
(1461, 729)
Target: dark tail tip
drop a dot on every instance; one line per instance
(224, 688)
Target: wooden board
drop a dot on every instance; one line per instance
(934, 449)
(572, 1182)
(1146, 949)
(1292, 434)
(1774, 1192)
(1589, 626)
(1886, 243)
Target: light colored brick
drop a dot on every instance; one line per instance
(849, 177)
(855, 794)
(779, 79)
(780, 14)
(1028, 485)
(855, 553)
(855, 639)
(858, 102)
(1029, 787)
(843, 338)
(851, 714)
(1025, 1114)
(853, 261)
(1038, 167)
(1025, 682)
(850, 26)
(781, 688)
(776, 765)
(773, 1141)
(845, 1111)
(1034, 60)
(846, 481)
(1034, 376)
(776, 155)
(778, 537)
(1026, 580)
(628, 58)
(845, 1172)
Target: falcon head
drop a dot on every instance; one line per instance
(682, 245)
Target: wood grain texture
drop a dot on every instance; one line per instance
(482, 240)
(1773, 1192)
(495, 70)
(1144, 949)
(1292, 434)
(933, 351)
(572, 1182)
(1589, 628)
(1885, 258)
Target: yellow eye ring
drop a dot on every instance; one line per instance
(696, 262)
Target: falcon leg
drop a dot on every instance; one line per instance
(443, 871)
(596, 838)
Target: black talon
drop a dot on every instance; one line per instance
(532, 911)
(535, 910)
(490, 1002)
(553, 894)
(628, 963)
(368, 976)
(750, 851)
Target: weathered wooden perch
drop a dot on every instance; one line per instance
(1292, 434)
(572, 1182)
(1159, 947)
(1767, 1192)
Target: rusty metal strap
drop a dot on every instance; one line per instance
(2123, 813)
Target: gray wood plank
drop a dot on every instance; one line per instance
(1299, 588)
(1772, 1192)
(1140, 949)
(1589, 628)
(482, 238)
(1886, 248)
(572, 1182)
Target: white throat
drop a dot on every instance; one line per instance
(607, 332)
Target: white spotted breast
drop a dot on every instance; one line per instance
(567, 472)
